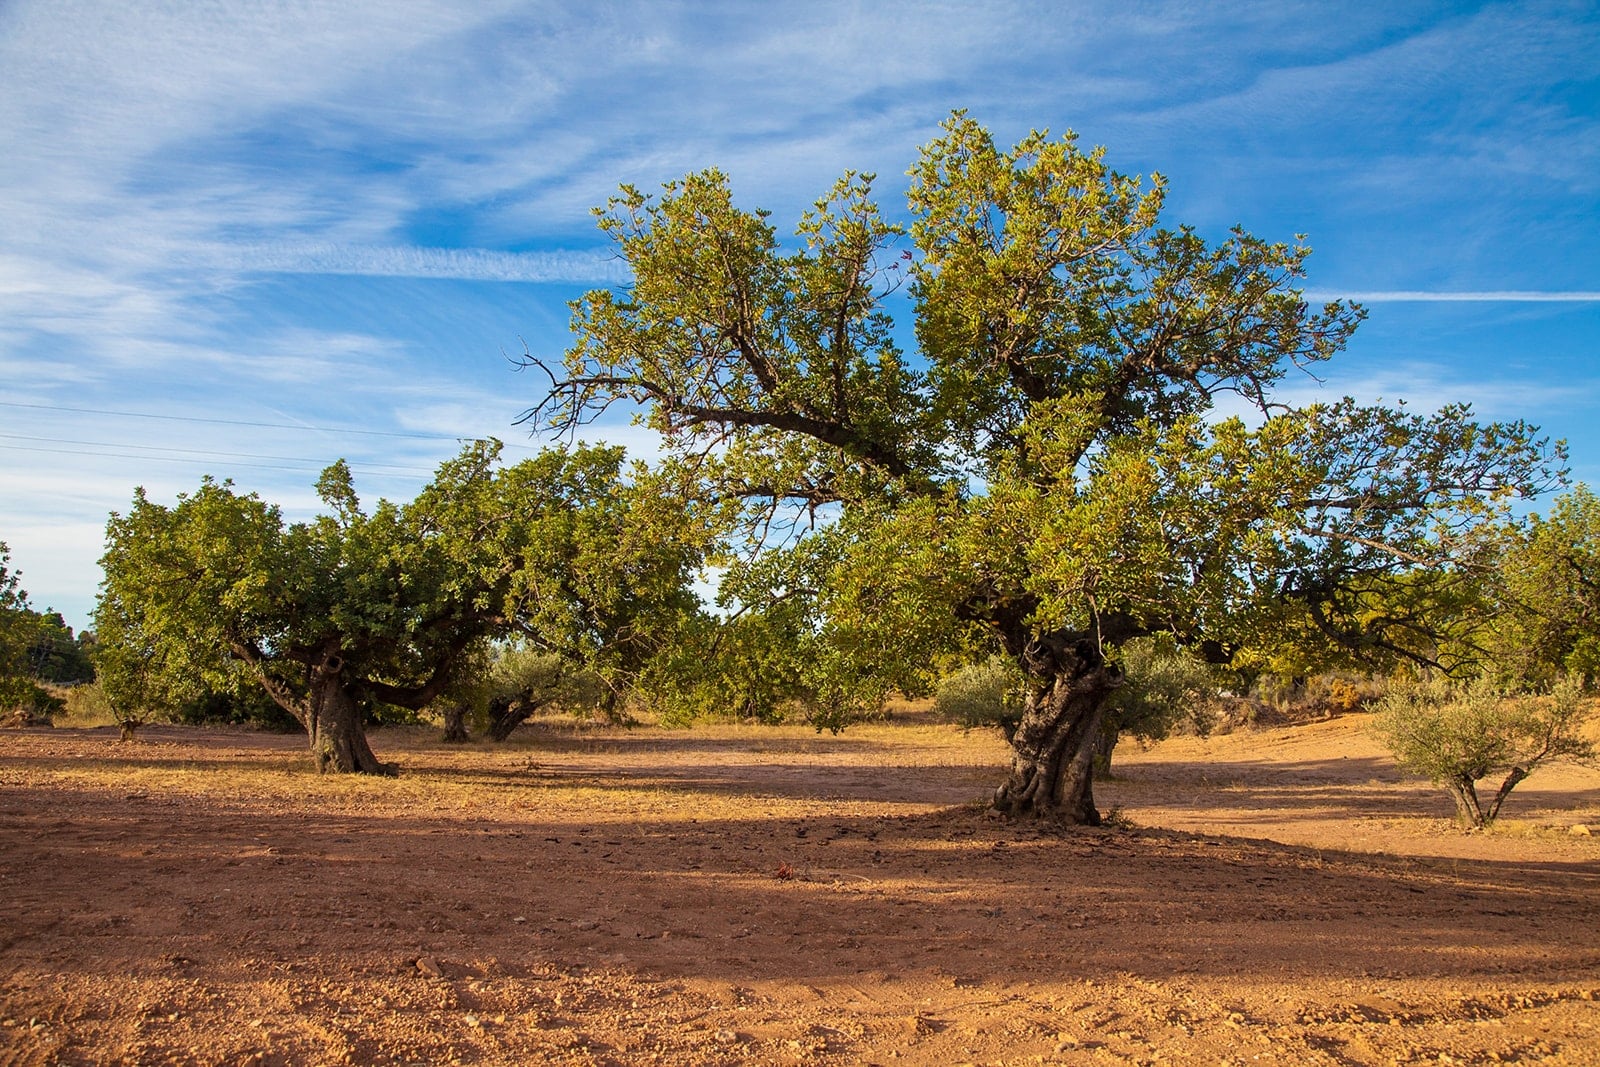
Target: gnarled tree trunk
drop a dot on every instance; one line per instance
(1052, 770)
(333, 722)
(325, 701)
(1468, 810)
(1104, 746)
(506, 713)
(455, 724)
(1517, 773)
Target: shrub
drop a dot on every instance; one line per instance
(523, 680)
(1345, 695)
(982, 694)
(1290, 700)
(87, 705)
(1459, 734)
(1166, 690)
(37, 707)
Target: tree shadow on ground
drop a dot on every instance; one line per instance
(952, 894)
(1347, 787)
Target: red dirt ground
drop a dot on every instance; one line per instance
(771, 896)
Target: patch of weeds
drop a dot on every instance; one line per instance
(1117, 819)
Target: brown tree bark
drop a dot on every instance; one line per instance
(1468, 811)
(455, 724)
(1104, 746)
(1052, 768)
(333, 722)
(1517, 773)
(508, 713)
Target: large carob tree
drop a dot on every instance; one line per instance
(1052, 464)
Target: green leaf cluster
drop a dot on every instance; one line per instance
(35, 647)
(18, 631)
(565, 549)
(1545, 595)
(1458, 734)
(1087, 447)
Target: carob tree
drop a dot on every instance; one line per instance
(1049, 465)
(352, 610)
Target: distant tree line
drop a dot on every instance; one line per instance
(36, 648)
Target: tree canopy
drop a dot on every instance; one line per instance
(1086, 444)
(1457, 734)
(1545, 595)
(17, 633)
(358, 608)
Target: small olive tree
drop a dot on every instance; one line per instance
(1458, 734)
(524, 680)
(1166, 689)
(987, 693)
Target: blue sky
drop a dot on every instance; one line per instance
(248, 238)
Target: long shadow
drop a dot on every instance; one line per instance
(1274, 793)
(133, 758)
(826, 899)
(618, 740)
(269, 899)
(883, 781)
(1246, 772)
(1342, 785)
(1360, 786)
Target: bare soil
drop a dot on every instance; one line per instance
(771, 896)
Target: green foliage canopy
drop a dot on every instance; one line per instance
(18, 631)
(35, 647)
(1546, 589)
(1051, 467)
(358, 608)
(1457, 734)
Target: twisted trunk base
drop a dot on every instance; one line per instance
(1469, 811)
(506, 713)
(333, 722)
(1052, 769)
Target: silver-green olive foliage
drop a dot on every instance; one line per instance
(358, 607)
(1458, 734)
(1052, 465)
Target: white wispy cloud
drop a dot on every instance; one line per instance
(1439, 296)
(1426, 386)
(467, 264)
(310, 213)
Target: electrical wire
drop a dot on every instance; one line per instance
(237, 422)
(186, 451)
(312, 467)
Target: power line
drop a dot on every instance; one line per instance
(238, 422)
(395, 472)
(186, 451)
